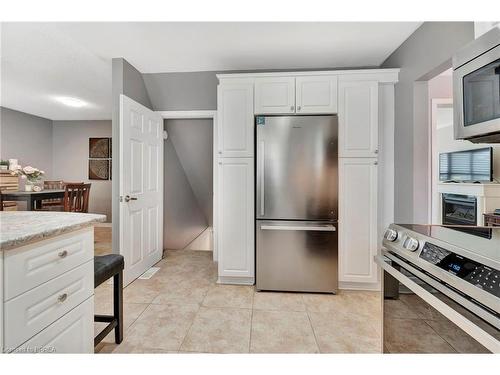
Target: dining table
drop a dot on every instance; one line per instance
(31, 197)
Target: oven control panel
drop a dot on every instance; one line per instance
(479, 275)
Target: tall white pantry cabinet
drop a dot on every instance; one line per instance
(364, 103)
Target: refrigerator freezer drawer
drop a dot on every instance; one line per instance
(297, 256)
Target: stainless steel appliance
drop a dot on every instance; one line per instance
(476, 89)
(296, 205)
(441, 289)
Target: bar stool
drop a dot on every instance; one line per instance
(105, 267)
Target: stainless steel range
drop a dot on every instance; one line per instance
(441, 289)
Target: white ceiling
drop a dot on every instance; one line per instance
(43, 60)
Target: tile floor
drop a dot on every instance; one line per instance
(181, 309)
(102, 240)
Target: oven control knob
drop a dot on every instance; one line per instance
(410, 243)
(391, 235)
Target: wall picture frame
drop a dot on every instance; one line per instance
(98, 169)
(99, 148)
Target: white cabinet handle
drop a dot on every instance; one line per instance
(62, 297)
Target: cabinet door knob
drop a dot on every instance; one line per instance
(63, 254)
(62, 297)
(292, 107)
(376, 151)
(298, 108)
(375, 163)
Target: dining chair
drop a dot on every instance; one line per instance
(53, 203)
(7, 205)
(76, 197)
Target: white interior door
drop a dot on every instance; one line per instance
(141, 187)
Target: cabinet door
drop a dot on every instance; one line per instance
(275, 95)
(73, 333)
(357, 219)
(31, 312)
(358, 119)
(316, 94)
(236, 218)
(235, 120)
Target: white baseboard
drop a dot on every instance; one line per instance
(236, 280)
(372, 287)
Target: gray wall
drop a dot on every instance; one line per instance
(424, 54)
(70, 159)
(193, 143)
(128, 81)
(183, 219)
(27, 138)
(182, 91)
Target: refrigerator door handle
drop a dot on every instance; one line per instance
(317, 228)
(262, 163)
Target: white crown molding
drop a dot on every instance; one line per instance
(381, 75)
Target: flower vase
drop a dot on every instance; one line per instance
(28, 186)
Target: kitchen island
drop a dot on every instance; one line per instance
(47, 281)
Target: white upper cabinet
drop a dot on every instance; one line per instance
(358, 237)
(316, 94)
(275, 95)
(235, 120)
(358, 118)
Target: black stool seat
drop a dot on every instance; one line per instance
(106, 266)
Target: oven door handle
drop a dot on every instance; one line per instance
(465, 324)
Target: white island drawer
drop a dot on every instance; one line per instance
(73, 333)
(37, 263)
(36, 309)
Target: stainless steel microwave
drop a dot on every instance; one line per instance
(476, 89)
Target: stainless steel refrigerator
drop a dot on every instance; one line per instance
(297, 203)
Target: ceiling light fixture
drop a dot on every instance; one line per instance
(71, 102)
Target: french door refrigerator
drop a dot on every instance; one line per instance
(297, 203)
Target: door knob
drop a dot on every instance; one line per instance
(129, 198)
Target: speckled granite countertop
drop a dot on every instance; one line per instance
(18, 228)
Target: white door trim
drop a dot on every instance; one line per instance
(171, 115)
(203, 114)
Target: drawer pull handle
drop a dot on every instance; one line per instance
(62, 297)
(63, 254)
